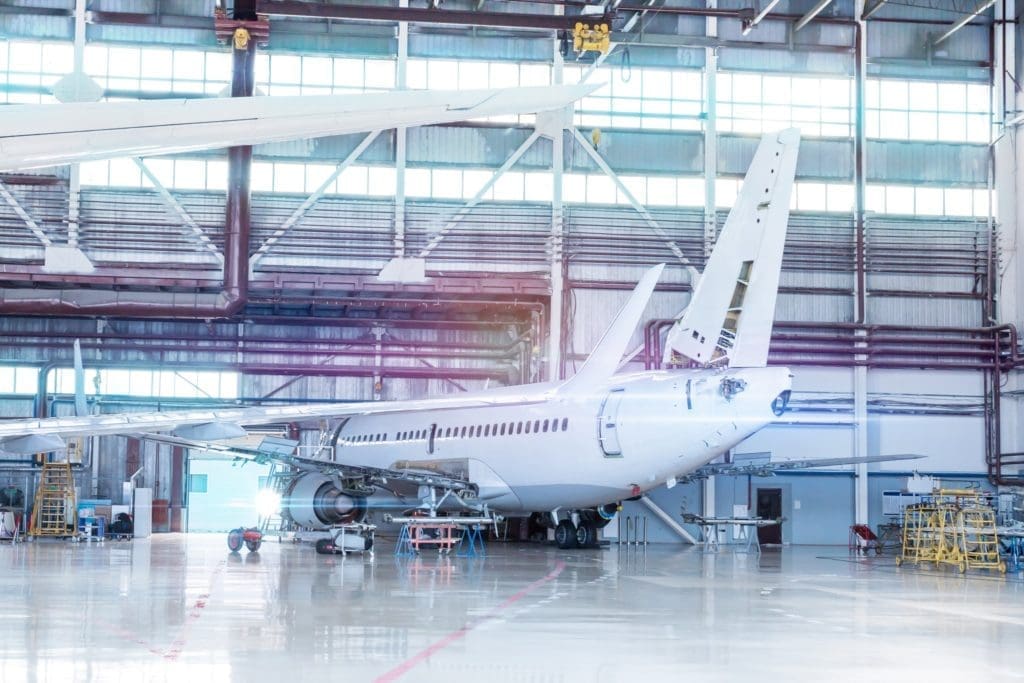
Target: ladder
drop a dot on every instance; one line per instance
(55, 499)
(278, 481)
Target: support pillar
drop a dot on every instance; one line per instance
(860, 372)
(238, 221)
(557, 308)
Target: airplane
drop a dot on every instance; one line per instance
(571, 449)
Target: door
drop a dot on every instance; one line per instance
(430, 439)
(769, 506)
(221, 495)
(608, 421)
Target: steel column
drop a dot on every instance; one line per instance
(557, 319)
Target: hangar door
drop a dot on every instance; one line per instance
(222, 494)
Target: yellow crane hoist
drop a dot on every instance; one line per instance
(597, 38)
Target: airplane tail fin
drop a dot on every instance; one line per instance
(81, 407)
(606, 356)
(730, 315)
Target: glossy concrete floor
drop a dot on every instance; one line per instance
(181, 608)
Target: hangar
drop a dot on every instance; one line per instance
(327, 278)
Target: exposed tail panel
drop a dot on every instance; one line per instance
(81, 407)
(733, 306)
(604, 360)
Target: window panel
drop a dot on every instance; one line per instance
(348, 72)
(637, 186)
(661, 191)
(509, 187)
(353, 180)
(473, 75)
(959, 202)
(690, 192)
(447, 183)
(921, 96)
(417, 182)
(317, 71)
(928, 201)
(899, 199)
(188, 64)
(600, 190)
(7, 379)
(28, 57)
(381, 182)
(538, 187)
(923, 125)
(380, 73)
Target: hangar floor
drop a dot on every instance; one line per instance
(178, 606)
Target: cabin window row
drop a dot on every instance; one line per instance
(504, 429)
(472, 431)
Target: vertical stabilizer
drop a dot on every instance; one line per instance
(730, 315)
(606, 356)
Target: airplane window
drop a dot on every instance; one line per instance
(511, 426)
(487, 430)
(503, 429)
(494, 430)
(447, 432)
(519, 427)
(463, 434)
(545, 425)
(479, 430)
(536, 426)
(565, 424)
(527, 426)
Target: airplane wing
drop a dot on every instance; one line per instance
(20, 435)
(767, 469)
(283, 451)
(35, 136)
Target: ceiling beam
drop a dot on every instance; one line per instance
(963, 21)
(811, 13)
(870, 11)
(769, 6)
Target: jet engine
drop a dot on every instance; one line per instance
(314, 501)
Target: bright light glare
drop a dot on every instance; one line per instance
(268, 502)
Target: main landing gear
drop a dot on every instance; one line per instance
(582, 534)
(569, 535)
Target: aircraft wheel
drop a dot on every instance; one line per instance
(253, 546)
(586, 535)
(565, 534)
(235, 540)
(325, 546)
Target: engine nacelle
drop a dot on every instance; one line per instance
(314, 501)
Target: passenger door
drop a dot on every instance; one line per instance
(608, 424)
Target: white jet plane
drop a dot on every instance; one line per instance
(573, 448)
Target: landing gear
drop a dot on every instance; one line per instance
(586, 535)
(565, 534)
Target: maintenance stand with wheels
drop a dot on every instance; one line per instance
(251, 538)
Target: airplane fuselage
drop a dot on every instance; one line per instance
(571, 450)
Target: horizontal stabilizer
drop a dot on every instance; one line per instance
(604, 360)
(769, 467)
(35, 136)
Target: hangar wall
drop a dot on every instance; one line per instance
(927, 234)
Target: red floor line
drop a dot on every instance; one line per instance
(437, 646)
